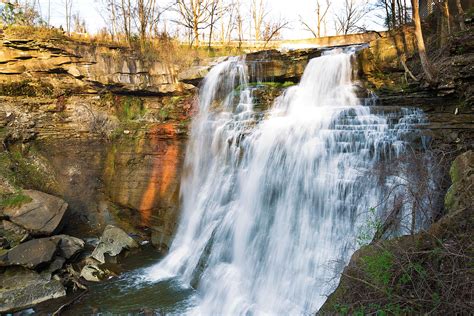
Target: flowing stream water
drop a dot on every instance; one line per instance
(273, 202)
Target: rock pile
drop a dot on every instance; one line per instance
(35, 264)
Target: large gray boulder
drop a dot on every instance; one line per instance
(41, 216)
(68, 245)
(112, 242)
(30, 254)
(21, 288)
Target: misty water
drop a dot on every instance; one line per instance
(273, 203)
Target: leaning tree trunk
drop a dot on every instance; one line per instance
(425, 63)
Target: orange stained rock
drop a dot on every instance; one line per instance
(163, 171)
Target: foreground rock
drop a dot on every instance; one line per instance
(12, 234)
(30, 254)
(41, 216)
(21, 288)
(92, 273)
(68, 245)
(112, 242)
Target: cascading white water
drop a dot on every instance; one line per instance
(272, 206)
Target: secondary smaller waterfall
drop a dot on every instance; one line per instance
(272, 205)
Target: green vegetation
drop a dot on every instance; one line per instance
(128, 108)
(367, 231)
(14, 200)
(470, 13)
(372, 309)
(131, 108)
(378, 267)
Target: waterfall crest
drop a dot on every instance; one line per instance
(272, 203)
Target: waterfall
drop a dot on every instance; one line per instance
(273, 202)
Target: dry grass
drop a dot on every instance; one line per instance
(162, 48)
(32, 32)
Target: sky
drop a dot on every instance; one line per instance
(289, 10)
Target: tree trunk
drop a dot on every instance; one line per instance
(425, 63)
(318, 12)
(462, 26)
(196, 31)
(388, 15)
(394, 15)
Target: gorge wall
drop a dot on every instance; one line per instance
(105, 128)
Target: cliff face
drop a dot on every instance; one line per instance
(110, 168)
(105, 128)
(67, 66)
(449, 104)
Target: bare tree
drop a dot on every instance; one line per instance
(321, 12)
(215, 14)
(68, 13)
(228, 18)
(145, 16)
(349, 18)
(258, 12)
(109, 15)
(273, 29)
(194, 15)
(240, 24)
(425, 63)
(445, 22)
(126, 9)
(79, 25)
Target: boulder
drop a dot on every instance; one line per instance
(54, 266)
(30, 254)
(92, 273)
(194, 74)
(21, 288)
(41, 216)
(68, 245)
(12, 233)
(112, 242)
